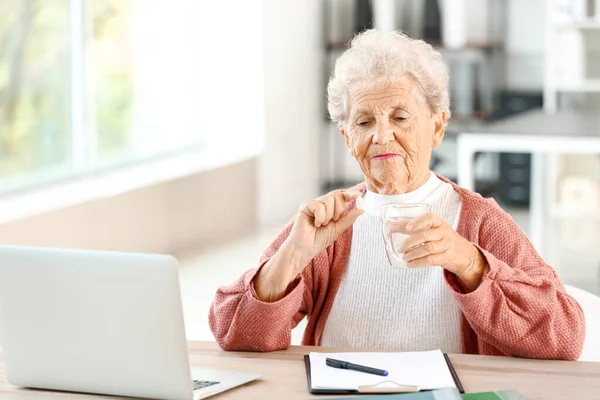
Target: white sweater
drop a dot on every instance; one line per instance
(381, 307)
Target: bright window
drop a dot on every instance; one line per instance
(34, 91)
(87, 85)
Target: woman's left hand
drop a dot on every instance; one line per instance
(432, 242)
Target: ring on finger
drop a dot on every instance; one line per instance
(415, 247)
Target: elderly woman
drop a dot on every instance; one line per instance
(474, 283)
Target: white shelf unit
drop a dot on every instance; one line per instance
(565, 165)
(582, 86)
(554, 85)
(586, 24)
(561, 212)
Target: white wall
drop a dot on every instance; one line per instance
(230, 50)
(293, 49)
(172, 217)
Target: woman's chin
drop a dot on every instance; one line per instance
(388, 180)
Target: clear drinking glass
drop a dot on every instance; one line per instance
(395, 217)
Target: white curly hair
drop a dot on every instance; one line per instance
(376, 58)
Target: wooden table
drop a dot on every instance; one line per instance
(284, 375)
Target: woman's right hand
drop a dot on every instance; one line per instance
(321, 221)
(317, 225)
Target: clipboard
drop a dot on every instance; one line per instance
(377, 388)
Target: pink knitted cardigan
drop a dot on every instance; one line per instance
(519, 309)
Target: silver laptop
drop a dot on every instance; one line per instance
(99, 322)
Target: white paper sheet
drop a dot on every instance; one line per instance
(426, 369)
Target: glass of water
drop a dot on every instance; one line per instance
(395, 218)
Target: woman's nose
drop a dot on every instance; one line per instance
(383, 133)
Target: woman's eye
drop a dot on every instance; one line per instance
(399, 118)
(362, 123)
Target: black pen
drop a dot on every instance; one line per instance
(355, 367)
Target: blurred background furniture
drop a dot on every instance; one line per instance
(538, 133)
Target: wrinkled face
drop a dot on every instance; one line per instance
(391, 131)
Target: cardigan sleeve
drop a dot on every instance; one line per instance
(520, 307)
(240, 321)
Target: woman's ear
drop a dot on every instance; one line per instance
(345, 135)
(439, 128)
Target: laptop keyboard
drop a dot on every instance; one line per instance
(203, 384)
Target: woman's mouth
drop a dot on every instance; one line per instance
(384, 156)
